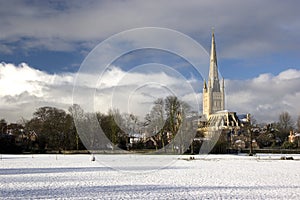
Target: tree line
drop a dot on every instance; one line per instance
(53, 129)
(169, 126)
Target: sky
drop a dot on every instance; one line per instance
(43, 45)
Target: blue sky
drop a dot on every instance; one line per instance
(254, 39)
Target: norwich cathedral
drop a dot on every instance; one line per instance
(214, 113)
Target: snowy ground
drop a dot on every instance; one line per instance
(210, 177)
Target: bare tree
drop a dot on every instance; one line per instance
(285, 121)
(155, 119)
(77, 114)
(172, 108)
(285, 124)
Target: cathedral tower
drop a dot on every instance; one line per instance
(213, 91)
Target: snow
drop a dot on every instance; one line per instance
(53, 176)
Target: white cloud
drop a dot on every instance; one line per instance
(288, 75)
(266, 96)
(23, 89)
(15, 80)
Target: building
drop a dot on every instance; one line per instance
(217, 124)
(213, 90)
(214, 113)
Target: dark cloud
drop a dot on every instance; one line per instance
(245, 28)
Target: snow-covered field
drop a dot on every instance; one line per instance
(206, 177)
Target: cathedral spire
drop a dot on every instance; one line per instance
(213, 55)
(214, 91)
(213, 66)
